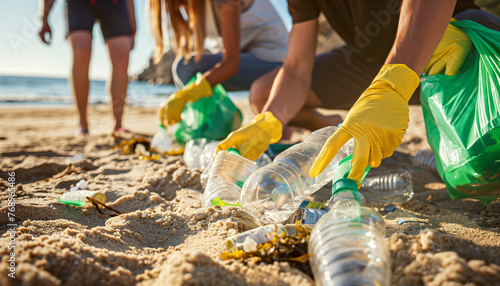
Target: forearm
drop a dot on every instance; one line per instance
(288, 94)
(422, 23)
(45, 9)
(222, 71)
(131, 14)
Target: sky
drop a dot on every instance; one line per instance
(23, 53)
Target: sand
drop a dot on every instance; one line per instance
(166, 238)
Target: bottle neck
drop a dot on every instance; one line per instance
(346, 198)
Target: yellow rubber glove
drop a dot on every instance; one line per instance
(170, 110)
(252, 140)
(451, 52)
(377, 121)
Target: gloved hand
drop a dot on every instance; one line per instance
(377, 121)
(451, 52)
(252, 140)
(171, 109)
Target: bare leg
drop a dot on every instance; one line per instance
(81, 46)
(119, 48)
(308, 117)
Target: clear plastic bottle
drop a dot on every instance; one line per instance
(276, 191)
(161, 141)
(199, 153)
(260, 162)
(227, 175)
(425, 159)
(78, 198)
(391, 186)
(348, 243)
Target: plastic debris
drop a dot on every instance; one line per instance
(390, 208)
(76, 158)
(279, 247)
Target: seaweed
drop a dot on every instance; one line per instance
(280, 248)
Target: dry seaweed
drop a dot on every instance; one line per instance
(291, 249)
(97, 203)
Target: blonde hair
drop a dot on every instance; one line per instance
(188, 34)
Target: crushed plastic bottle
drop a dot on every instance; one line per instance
(276, 191)
(78, 198)
(161, 141)
(227, 175)
(199, 153)
(392, 186)
(347, 245)
(249, 240)
(425, 159)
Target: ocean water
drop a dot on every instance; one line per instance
(56, 91)
(17, 90)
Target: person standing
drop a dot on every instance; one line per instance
(117, 21)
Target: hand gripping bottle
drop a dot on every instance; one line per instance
(276, 191)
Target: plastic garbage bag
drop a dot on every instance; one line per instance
(212, 118)
(462, 118)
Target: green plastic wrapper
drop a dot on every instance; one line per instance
(212, 118)
(462, 118)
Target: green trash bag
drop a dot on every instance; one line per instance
(212, 118)
(462, 118)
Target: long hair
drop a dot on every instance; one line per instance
(188, 34)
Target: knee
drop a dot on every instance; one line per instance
(259, 94)
(182, 71)
(81, 56)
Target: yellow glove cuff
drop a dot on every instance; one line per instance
(400, 77)
(196, 90)
(271, 124)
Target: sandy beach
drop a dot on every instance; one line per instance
(166, 238)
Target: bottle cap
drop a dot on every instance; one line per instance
(344, 185)
(234, 151)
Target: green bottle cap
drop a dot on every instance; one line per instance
(234, 151)
(344, 185)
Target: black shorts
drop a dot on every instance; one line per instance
(112, 17)
(339, 77)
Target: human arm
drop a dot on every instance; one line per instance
(131, 15)
(170, 110)
(230, 31)
(292, 82)
(44, 16)
(379, 119)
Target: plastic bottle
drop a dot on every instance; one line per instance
(425, 159)
(276, 191)
(227, 175)
(199, 153)
(260, 162)
(392, 186)
(161, 141)
(348, 243)
(249, 240)
(78, 198)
